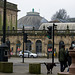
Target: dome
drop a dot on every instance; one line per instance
(32, 19)
(43, 20)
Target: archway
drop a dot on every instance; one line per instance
(18, 44)
(38, 46)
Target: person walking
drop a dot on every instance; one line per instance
(61, 57)
(69, 59)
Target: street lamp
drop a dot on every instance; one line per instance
(4, 47)
(4, 22)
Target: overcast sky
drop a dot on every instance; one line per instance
(46, 8)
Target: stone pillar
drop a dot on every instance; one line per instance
(33, 46)
(14, 48)
(43, 46)
(72, 67)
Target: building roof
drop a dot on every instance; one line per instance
(63, 21)
(9, 5)
(32, 19)
(60, 26)
(71, 20)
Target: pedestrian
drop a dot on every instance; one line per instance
(66, 58)
(61, 57)
(69, 59)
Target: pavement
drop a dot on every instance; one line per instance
(20, 68)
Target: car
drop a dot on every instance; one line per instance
(27, 53)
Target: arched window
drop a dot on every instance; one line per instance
(28, 45)
(13, 28)
(38, 46)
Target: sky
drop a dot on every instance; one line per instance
(46, 8)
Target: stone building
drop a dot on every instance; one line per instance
(38, 41)
(36, 28)
(11, 15)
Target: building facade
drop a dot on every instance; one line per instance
(38, 41)
(11, 15)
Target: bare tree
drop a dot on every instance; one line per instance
(61, 14)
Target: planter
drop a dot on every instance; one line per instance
(34, 68)
(6, 67)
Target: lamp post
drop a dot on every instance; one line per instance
(53, 44)
(4, 22)
(23, 44)
(4, 47)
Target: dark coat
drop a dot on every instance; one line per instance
(69, 59)
(62, 55)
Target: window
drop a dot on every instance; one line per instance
(2, 27)
(1, 18)
(28, 45)
(13, 28)
(8, 28)
(38, 46)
